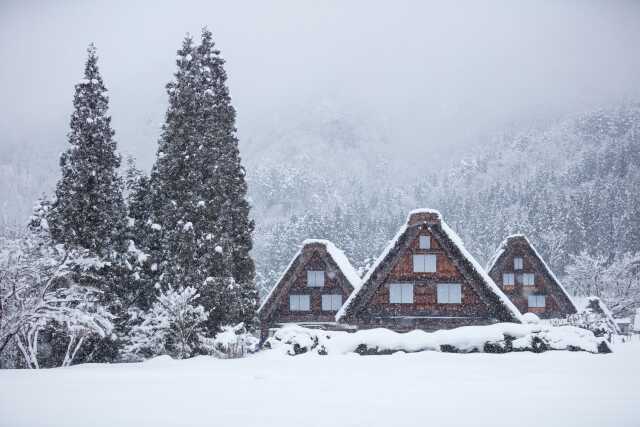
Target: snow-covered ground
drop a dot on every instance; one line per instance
(270, 389)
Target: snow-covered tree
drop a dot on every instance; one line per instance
(616, 281)
(89, 210)
(200, 210)
(172, 326)
(39, 295)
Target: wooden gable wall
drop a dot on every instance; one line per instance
(557, 304)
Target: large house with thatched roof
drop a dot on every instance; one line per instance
(426, 279)
(312, 288)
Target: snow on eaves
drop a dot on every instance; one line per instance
(340, 259)
(275, 285)
(392, 243)
(481, 272)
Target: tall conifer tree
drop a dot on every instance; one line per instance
(89, 208)
(199, 189)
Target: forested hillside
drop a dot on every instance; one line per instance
(571, 187)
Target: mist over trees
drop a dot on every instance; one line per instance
(571, 187)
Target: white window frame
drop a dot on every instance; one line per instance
(314, 277)
(422, 263)
(518, 263)
(504, 279)
(525, 282)
(539, 301)
(447, 295)
(401, 293)
(424, 242)
(300, 302)
(331, 302)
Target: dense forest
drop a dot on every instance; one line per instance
(571, 186)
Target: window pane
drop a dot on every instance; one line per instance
(395, 293)
(537, 301)
(315, 279)
(528, 279)
(455, 293)
(508, 279)
(430, 263)
(327, 303)
(418, 263)
(336, 302)
(407, 293)
(304, 303)
(425, 242)
(294, 303)
(443, 293)
(517, 263)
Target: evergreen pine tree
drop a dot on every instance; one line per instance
(88, 212)
(199, 190)
(89, 209)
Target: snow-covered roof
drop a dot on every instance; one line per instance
(275, 285)
(340, 259)
(336, 255)
(636, 320)
(424, 211)
(503, 247)
(453, 236)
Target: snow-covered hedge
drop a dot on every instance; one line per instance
(497, 338)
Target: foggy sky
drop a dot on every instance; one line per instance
(432, 75)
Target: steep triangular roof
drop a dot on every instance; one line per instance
(451, 243)
(331, 255)
(522, 239)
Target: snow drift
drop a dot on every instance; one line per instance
(497, 338)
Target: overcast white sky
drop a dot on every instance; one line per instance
(434, 73)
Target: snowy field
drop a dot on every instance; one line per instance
(269, 389)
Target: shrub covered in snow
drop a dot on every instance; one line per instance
(497, 338)
(596, 317)
(172, 326)
(231, 343)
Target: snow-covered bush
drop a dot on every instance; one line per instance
(231, 343)
(38, 292)
(595, 317)
(172, 326)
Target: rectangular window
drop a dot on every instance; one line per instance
(528, 279)
(425, 242)
(299, 303)
(331, 302)
(424, 263)
(536, 301)
(315, 279)
(401, 293)
(449, 293)
(518, 263)
(508, 279)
